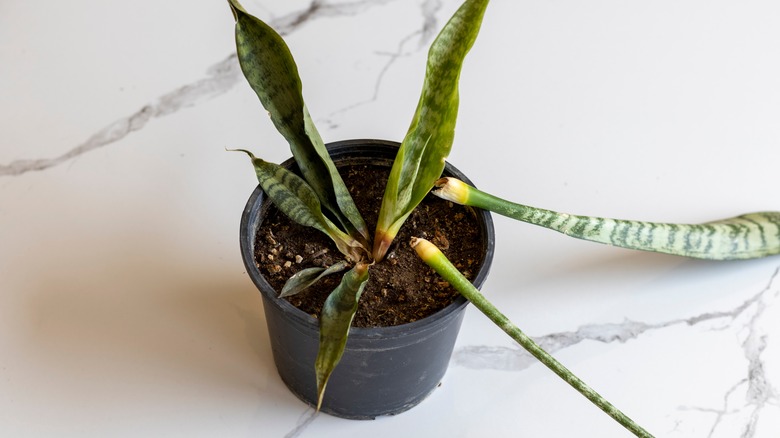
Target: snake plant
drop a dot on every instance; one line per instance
(319, 198)
(320, 192)
(747, 236)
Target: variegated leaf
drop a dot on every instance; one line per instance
(293, 197)
(336, 318)
(307, 277)
(746, 236)
(272, 73)
(427, 144)
(434, 258)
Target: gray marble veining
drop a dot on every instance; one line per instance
(746, 319)
(651, 109)
(303, 423)
(423, 36)
(219, 79)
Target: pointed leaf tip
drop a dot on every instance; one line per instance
(272, 73)
(251, 155)
(335, 320)
(296, 199)
(421, 157)
(235, 8)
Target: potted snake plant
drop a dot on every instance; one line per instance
(385, 365)
(326, 238)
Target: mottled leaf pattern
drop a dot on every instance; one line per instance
(336, 318)
(747, 236)
(270, 70)
(307, 277)
(743, 237)
(427, 144)
(293, 197)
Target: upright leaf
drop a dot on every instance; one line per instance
(427, 144)
(296, 199)
(336, 318)
(270, 70)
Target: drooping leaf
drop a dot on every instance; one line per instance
(296, 199)
(427, 144)
(336, 318)
(434, 258)
(270, 70)
(746, 236)
(307, 277)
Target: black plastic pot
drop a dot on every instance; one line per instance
(384, 370)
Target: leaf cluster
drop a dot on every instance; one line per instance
(319, 198)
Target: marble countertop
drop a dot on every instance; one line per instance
(124, 307)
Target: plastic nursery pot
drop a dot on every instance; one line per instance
(384, 370)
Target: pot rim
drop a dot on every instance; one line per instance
(257, 204)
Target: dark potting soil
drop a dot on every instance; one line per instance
(401, 288)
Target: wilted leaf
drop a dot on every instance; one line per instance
(336, 318)
(434, 258)
(307, 277)
(747, 236)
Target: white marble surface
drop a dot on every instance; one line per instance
(124, 306)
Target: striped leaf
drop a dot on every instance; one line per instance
(420, 159)
(307, 277)
(296, 199)
(747, 236)
(270, 70)
(434, 258)
(336, 318)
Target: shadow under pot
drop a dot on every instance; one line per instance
(384, 370)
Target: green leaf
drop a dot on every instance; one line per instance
(270, 70)
(434, 258)
(336, 318)
(427, 144)
(296, 199)
(307, 277)
(746, 236)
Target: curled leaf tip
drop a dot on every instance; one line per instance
(251, 155)
(235, 6)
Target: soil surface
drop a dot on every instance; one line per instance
(401, 288)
